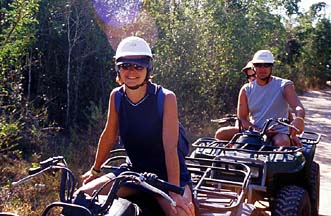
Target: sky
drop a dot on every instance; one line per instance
(305, 4)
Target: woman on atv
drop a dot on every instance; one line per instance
(150, 140)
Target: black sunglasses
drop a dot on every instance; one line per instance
(263, 65)
(250, 76)
(127, 66)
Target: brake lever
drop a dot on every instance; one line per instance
(142, 179)
(280, 121)
(44, 166)
(219, 121)
(26, 178)
(157, 191)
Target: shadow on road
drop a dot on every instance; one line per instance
(318, 119)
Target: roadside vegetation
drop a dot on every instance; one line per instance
(56, 71)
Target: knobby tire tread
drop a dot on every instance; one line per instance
(314, 187)
(292, 200)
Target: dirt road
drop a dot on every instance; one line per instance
(318, 119)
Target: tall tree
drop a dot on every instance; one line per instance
(17, 33)
(311, 45)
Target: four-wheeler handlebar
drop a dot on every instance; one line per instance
(148, 181)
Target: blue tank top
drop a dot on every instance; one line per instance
(140, 130)
(268, 102)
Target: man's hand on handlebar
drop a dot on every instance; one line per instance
(297, 123)
(253, 128)
(298, 127)
(295, 141)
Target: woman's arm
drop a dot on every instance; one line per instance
(170, 137)
(109, 134)
(170, 142)
(106, 141)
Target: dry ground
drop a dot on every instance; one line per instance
(318, 119)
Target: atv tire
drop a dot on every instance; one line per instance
(314, 187)
(291, 200)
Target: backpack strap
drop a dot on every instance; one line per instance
(161, 92)
(160, 100)
(118, 97)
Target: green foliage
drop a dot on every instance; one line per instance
(83, 141)
(56, 59)
(202, 47)
(291, 6)
(8, 135)
(182, 62)
(90, 60)
(313, 51)
(319, 55)
(59, 60)
(16, 36)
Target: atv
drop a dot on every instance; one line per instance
(287, 178)
(213, 193)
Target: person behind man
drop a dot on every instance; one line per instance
(226, 133)
(151, 141)
(270, 97)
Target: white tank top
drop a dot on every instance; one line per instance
(268, 102)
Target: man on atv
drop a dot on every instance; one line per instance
(270, 97)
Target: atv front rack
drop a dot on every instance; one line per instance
(219, 186)
(259, 157)
(310, 138)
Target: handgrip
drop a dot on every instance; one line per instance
(153, 180)
(45, 164)
(50, 161)
(34, 170)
